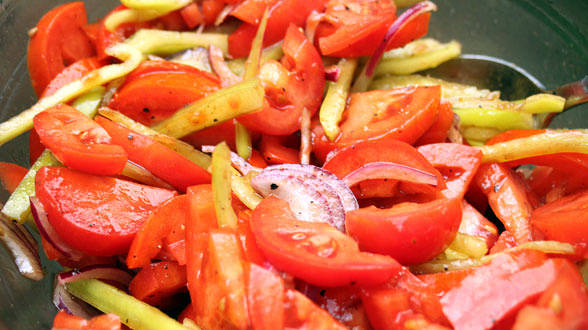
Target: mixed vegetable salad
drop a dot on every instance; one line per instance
(274, 164)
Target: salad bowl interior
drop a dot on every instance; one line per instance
(549, 39)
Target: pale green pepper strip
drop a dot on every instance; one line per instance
(142, 11)
(541, 144)
(479, 133)
(161, 5)
(18, 207)
(223, 105)
(243, 141)
(160, 42)
(273, 52)
(417, 56)
(543, 103)
(24, 121)
(132, 312)
(336, 99)
(495, 118)
(239, 184)
(362, 82)
(470, 246)
(252, 63)
(221, 186)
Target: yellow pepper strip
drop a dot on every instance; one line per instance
(362, 82)
(240, 185)
(142, 11)
(438, 266)
(481, 134)
(221, 186)
(416, 56)
(449, 90)
(541, 144)
(140, 174)
(470, 246)
(243, 141)
(24, 121)
(160, 42)
(252, 63)
(336, 99)
(273, 52)
(494, 118)
(542, 103)
(223, 105)
(17, 206)
(132, 312)
(161, 5)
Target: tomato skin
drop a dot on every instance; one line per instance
(265, 298)
(314, 252)
(158, 281)
(305, 88)
(437, 133)
(274, 152)
(11, 175)
(75, 202)
(280, 16)
(354, 28)
(564, 220)
(78, 142)
(48, 54)
(192, 15)
(155, 157)
(251, 11)
(63, 320)
(410, 233)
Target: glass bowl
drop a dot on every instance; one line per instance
(549, 39)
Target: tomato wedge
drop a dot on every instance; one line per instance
(306, 83)
(58, 41)
(280, 16)
(399, 114)
(411, 233)
(158, 281)
(78, 142)
(157, 89)
(95, 214)
(163, 162)
(63, 320)
(11, 175)
(315, 252)
(265, 298)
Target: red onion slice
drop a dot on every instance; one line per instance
(313, 193)
(239, 162)
(217, 62)
(63, 300)
(332, 73)
(49, 233)
(402, 20)
(388, 170)
(19, 243)
(108, 273)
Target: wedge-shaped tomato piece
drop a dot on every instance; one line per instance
(58, 41)
(94, 214)
(565, 220)
(457, 163)
(304, 89)
(473, 223)
(281, 14)
(158, 281)
(149, 240)
(302, 313)
(78, 142)
(157, 89)
(399, 114)
(437, 133)
(265, 298)
(315, 252)
(412, 233)
(344, 161)
(11, 175)
(63, 320)
(163, 162)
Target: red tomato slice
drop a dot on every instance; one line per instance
(473, 223)
(347, 160)
(78, 142)
(11, 175)
(148, 241)
(163, 162)
(458, 164)
(158, 281)
(437, 133)
(63, 320)
(399, 114)
(251, 11)
(411, 233)
(94, 214)
(192, 15)
(58, 41)
(354, 28)
(564, 220)
(306, 84)
(508, 198)
(265, 298)
(280, 16)
(315, 252)
(274, 152)
(302, 313)
(157, 89)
